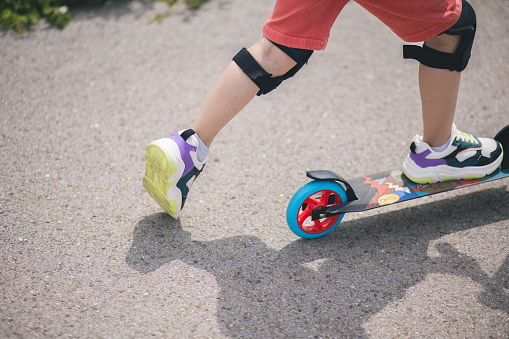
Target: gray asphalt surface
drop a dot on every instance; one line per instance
(86, 253)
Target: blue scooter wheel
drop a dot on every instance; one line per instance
(312, 195)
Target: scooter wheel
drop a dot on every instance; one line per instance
(309, 197)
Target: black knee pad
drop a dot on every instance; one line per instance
(466, 27)
(263, 79)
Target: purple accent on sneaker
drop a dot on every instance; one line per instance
(184, 148)
(421, 161)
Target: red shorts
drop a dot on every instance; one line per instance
(306, 24)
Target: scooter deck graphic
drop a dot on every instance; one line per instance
(392, 187)
(319, 206)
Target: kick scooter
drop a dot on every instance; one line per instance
(320, 205)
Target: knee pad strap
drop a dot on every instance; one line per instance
(466, 27)
(262, 78)
(254, 71)
(300, 56)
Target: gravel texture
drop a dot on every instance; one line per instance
(86, 253)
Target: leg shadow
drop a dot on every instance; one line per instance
(330, 286)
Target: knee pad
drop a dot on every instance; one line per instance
(262, 78)
(466, 27)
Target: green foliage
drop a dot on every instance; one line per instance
(21, 14)
(192, 4)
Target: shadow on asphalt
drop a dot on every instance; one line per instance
(329, 286)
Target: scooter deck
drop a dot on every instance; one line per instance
(391, 187)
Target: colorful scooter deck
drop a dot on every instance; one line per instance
(387, 188)
(318, 207)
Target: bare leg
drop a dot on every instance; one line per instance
(234, 90)
(439, 93)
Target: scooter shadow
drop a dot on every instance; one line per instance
(328, 287)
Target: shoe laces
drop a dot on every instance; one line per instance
(462, 137)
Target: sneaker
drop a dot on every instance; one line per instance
(466, 157)
(172, 167)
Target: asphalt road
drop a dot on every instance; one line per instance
(86, 253)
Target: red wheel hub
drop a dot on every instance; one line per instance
(323, 198)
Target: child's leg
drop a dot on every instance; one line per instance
(439, 93)
(443, 152)
(234, 90)
(173, 163)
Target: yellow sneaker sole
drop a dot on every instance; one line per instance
(158, 171)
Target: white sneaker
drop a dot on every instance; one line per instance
(466, 157)
(172, 167)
